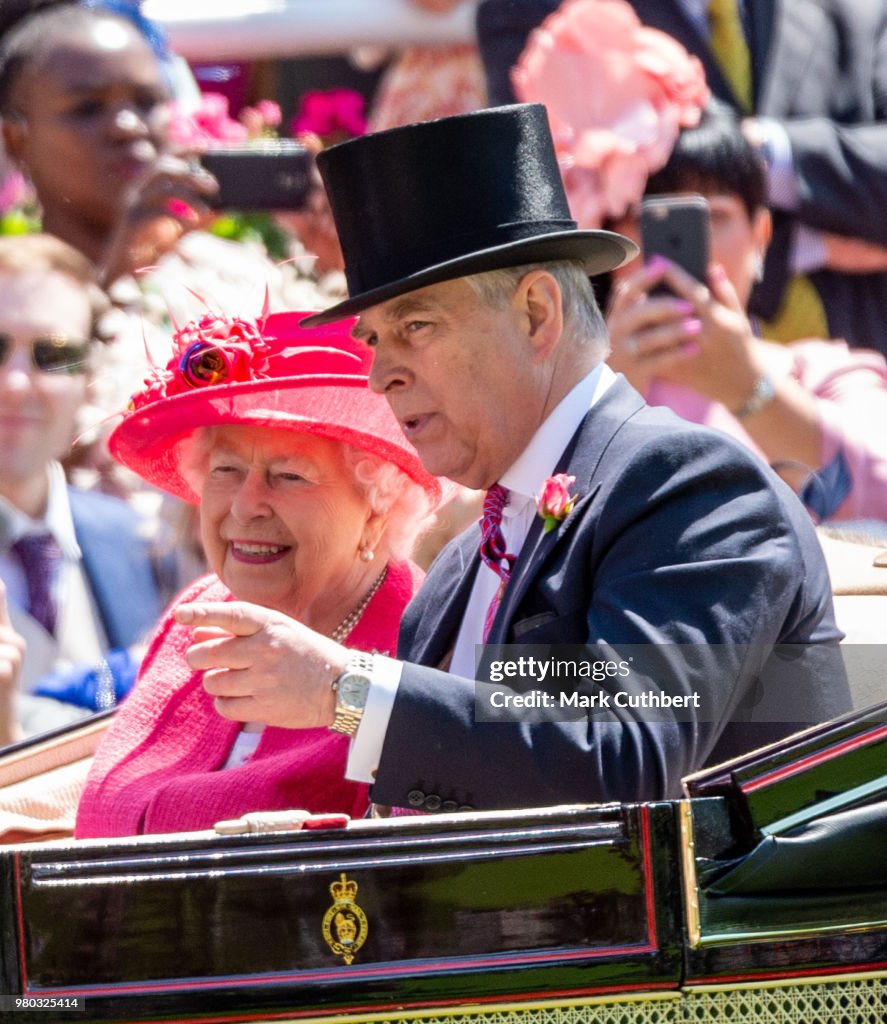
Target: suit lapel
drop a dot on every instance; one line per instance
(118, 569)
(581, 459)
(762, 18)
(785, 38)
(668, 17)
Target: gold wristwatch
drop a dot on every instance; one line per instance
(352, 688)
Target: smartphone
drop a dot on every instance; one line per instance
(272, 175)
(677, 227)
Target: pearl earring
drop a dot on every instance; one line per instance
(367, 554)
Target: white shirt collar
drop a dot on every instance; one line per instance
(524, 478)
(58, 519)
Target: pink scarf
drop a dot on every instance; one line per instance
(158, 767)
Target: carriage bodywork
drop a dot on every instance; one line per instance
(762, 895)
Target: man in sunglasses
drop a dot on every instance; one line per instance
(76, 565)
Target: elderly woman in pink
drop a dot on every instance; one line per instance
(310, 501)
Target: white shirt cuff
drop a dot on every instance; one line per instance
(809, 252)
(780, 164)
(367, 743)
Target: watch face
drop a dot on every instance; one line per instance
(352, 691)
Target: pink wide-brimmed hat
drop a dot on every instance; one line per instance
(266, 373)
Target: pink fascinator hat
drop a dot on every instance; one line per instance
(268, 373)
(617, 95)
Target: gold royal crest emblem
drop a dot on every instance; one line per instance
(344, 924)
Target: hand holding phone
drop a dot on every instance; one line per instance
(677, 227)
(273, 175)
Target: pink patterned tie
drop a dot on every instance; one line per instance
(492, 547)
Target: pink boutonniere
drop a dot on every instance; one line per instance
(555, 502)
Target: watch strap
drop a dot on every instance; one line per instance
(347, 718)
(346, 721)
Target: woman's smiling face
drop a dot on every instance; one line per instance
(283, 520)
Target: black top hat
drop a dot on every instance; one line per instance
(442, 199)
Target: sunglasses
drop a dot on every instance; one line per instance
(53, 353)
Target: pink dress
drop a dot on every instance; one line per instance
(158, 768)
(850, 390)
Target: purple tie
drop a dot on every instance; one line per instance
(40, 555)
(492, 547)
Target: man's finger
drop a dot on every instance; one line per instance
(237, 617)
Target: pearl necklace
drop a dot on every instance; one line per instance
(350, 621)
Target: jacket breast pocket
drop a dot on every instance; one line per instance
(549, 627)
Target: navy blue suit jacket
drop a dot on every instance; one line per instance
(679, 536)
(820, 68)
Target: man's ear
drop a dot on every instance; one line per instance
(539, 299)
(15, 135)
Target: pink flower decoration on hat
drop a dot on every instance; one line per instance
(208, 352)
(617, 95)
(555, 502)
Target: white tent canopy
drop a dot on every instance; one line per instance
(207, 30)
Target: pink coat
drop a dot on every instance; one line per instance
(158, 768)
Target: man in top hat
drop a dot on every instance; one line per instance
(681, 575)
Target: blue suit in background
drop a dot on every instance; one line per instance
(120, 563)
(130, 586)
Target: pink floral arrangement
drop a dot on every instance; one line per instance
(331, 116)
(617, 95)
(207, 124)
(210, 123)
(555, 502)
(209, 351)
(262, 120)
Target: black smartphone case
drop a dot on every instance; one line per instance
(272, 177)
(677, 227)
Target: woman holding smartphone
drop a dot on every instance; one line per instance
(85, 106)
(85, 103)
(632, 116)
(814, 409)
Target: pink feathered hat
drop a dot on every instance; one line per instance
(617, 93)
(267, 373)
